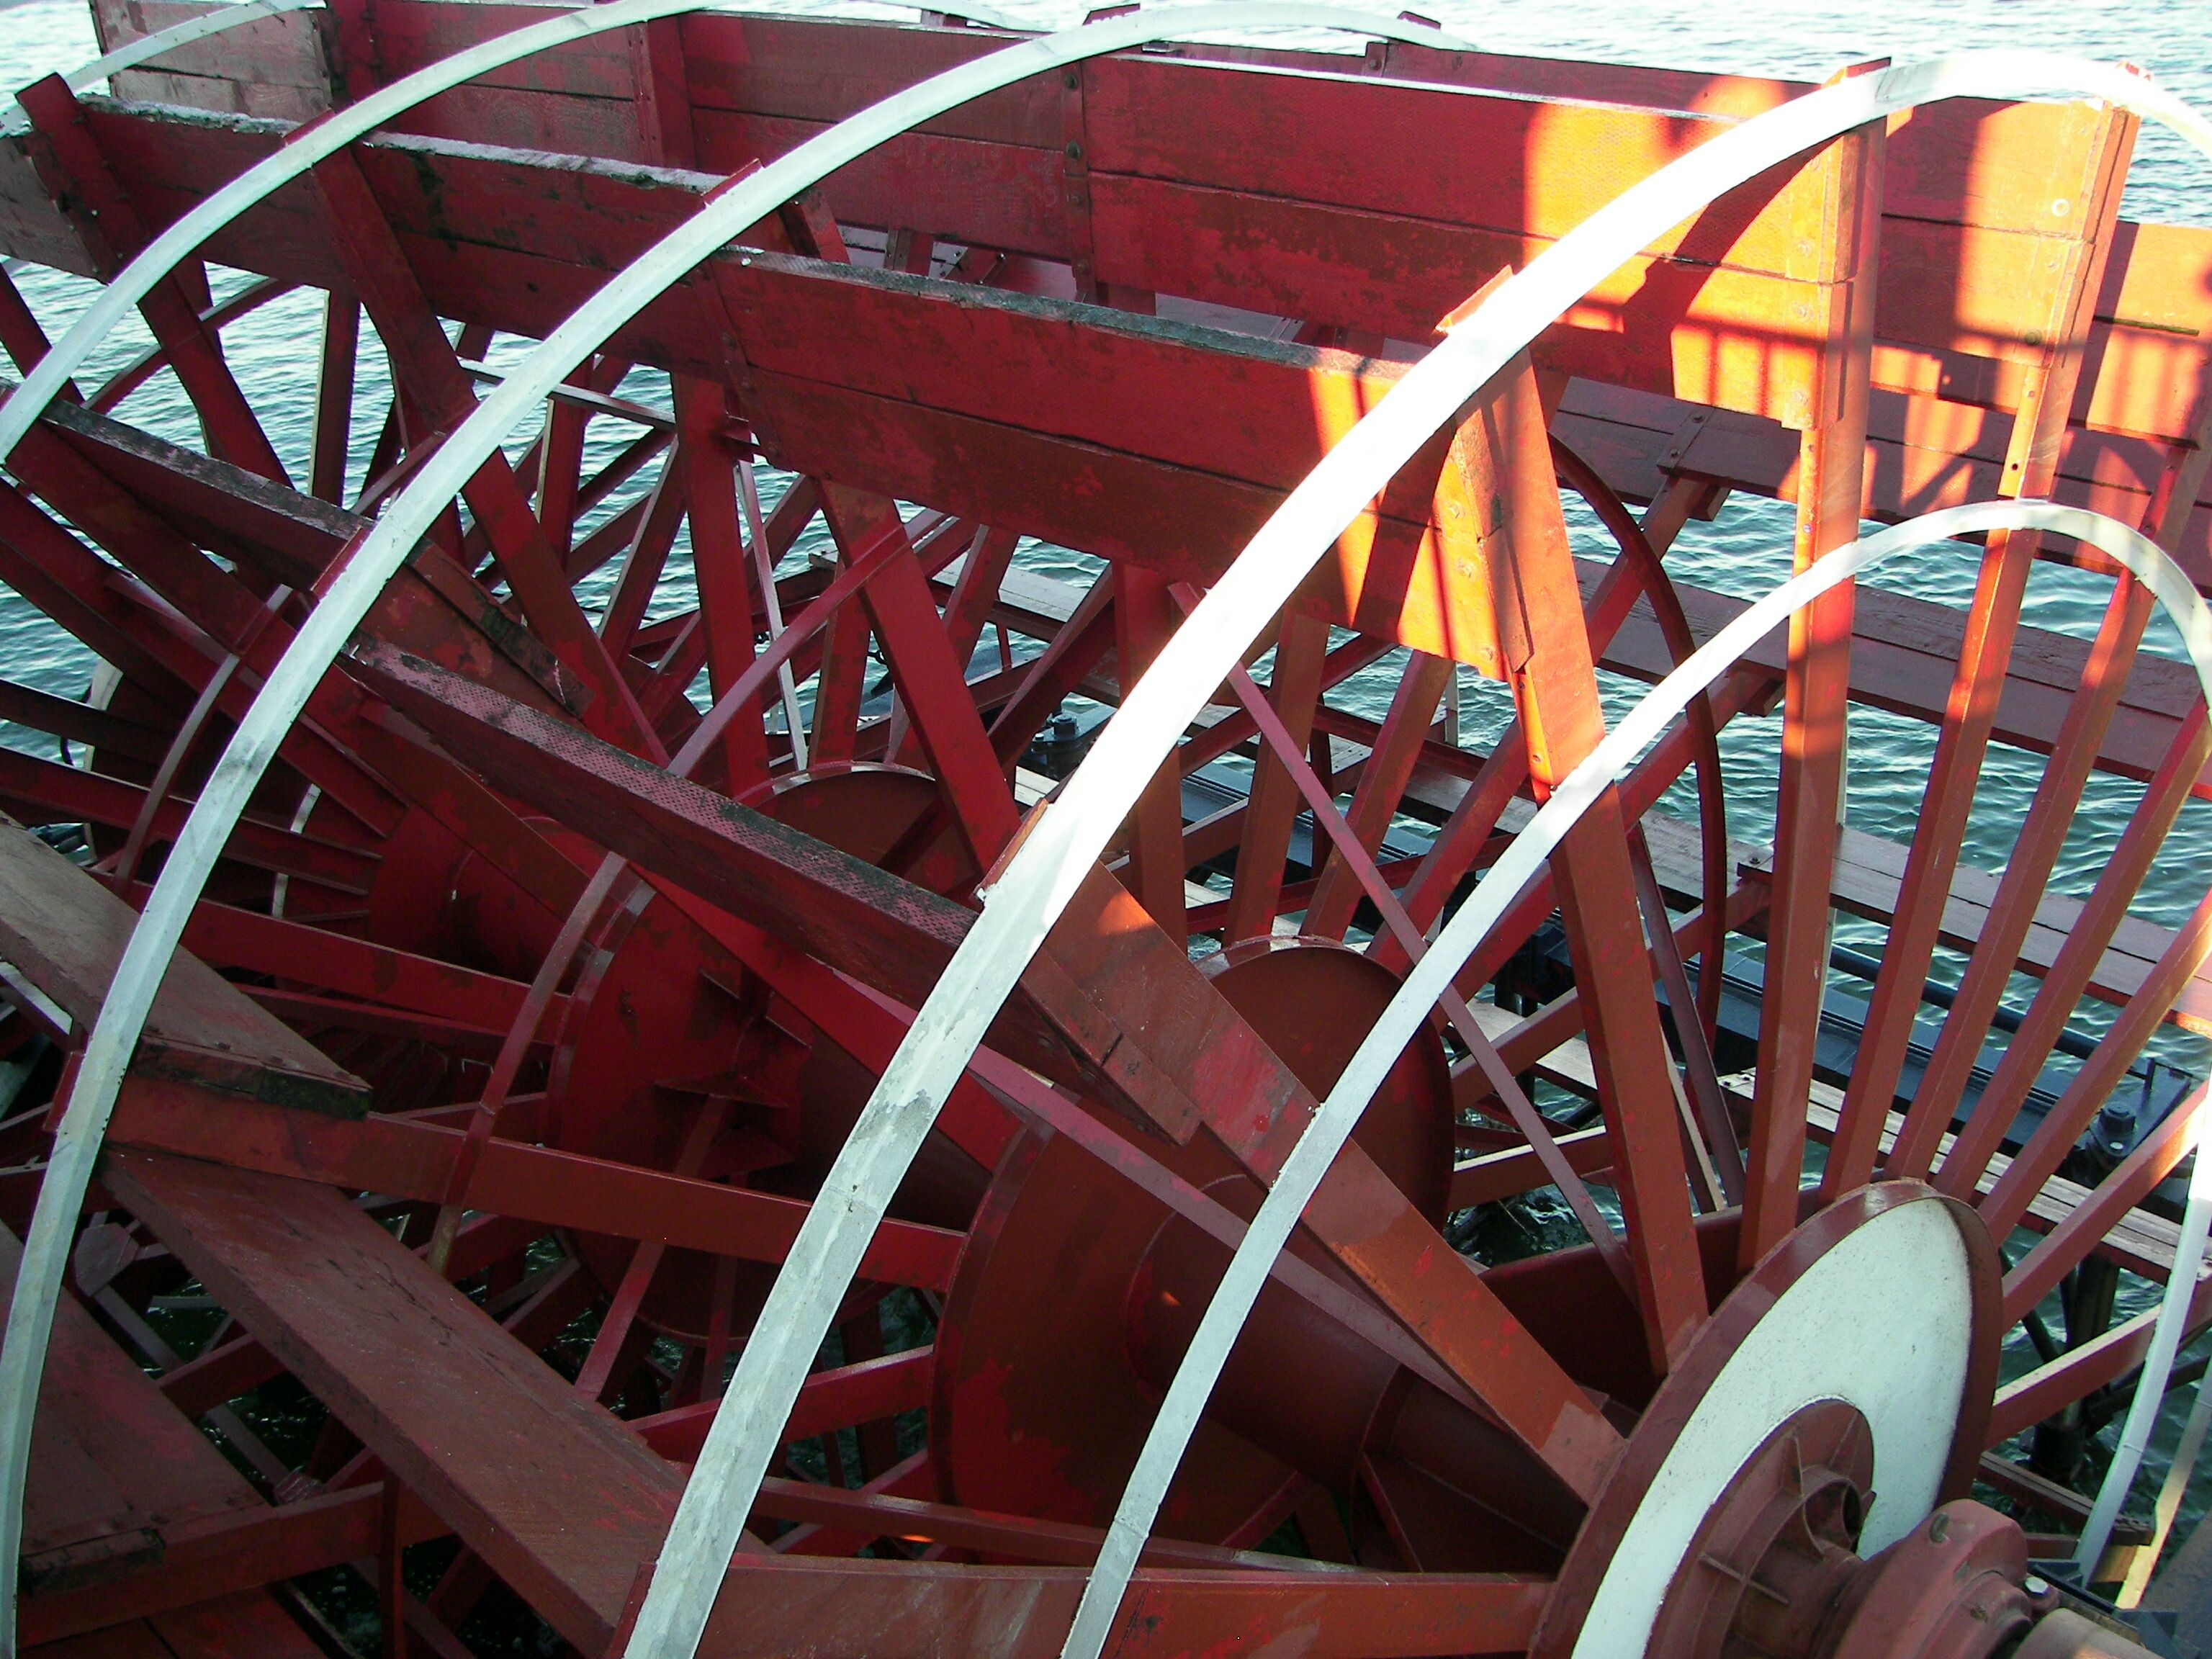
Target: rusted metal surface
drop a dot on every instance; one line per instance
(521, 1036)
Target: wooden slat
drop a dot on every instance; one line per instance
(1929, 445)
(481, 258)
(1869, 874)
(113, 1465)
(771, 1606)
(2139, 1241)
(272, 53)
(245, 1624)
(408, 1159)
(66, 932)
(563, 1501)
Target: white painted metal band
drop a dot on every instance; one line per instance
(255, 742)
(1332, 1126)
(2166, 1338)
(1040, 879)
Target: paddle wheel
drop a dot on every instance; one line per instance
(843, 901)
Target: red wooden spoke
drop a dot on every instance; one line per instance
(2069, 974)
(718, 559)
(1361, 865)
(2101, 1072)
(20, 335)
(932, 682)
(125, 865)
(645, 558)
(64, 577)
(1808, 807)
(1294, 689)
(334, 385)
(1382, 783)
(840, 684)
(1045, 681)
(2031, 469)
(615, 535)
(560, 467)
(598, 1372)
(982, 570)
(1455, 1319)
(1711, 1138)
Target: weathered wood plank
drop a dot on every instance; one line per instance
(539, 1184)
(115, 1467)
(558, 1498)
(1869, 873)
(66, 932)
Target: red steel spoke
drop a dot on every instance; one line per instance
(1143, 619)
(1294, 689)
(598, 1372)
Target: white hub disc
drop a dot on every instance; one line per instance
(1883, 1322)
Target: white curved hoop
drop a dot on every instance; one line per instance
(315, 142)
(1041, 877)
(1332, 1126)
(368, 565)
(1038, 883)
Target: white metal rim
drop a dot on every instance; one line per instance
(366, 567)
(1332, 1126)
(1040, 880)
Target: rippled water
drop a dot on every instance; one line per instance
(1745, 552)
